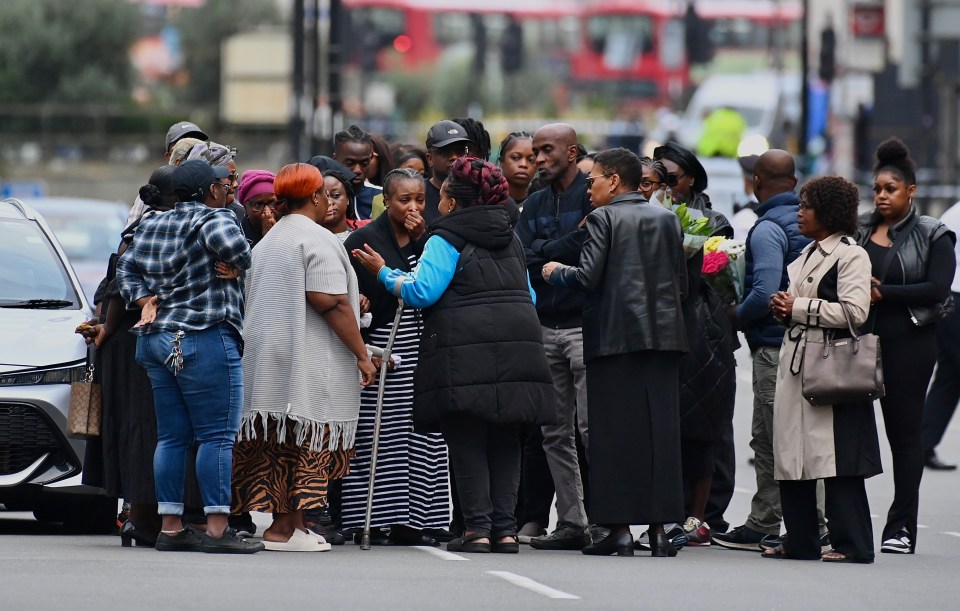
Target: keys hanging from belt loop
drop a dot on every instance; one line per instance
(175, 358)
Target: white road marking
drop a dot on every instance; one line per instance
(533, 586)
(744, 490)
(951, 533)
(922, 526)
(439, 553)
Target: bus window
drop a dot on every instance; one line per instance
(620, 38)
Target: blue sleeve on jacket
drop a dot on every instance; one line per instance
(424, 286)
(533, 294)
(768, 247)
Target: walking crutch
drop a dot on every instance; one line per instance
(365, 538)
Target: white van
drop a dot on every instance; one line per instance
(768, 101)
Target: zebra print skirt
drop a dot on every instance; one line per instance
(283, 477)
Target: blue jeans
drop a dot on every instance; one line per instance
(203, 403)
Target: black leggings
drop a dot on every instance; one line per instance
(907, 366)
(486, 465)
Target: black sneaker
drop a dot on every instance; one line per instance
(229, 543)
(897, 544)
(674, 532)
(741, 537)
(563, 538)
(331, 536)
(187, 540)
(243, 524)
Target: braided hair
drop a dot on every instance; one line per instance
(477, 134)
(834, 201)
(473, 182)
(398, 174)
(508, 141)
(656, 165)
(352, 134)
(893, 156)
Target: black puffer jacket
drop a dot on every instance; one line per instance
(481, 352)
(708, 372)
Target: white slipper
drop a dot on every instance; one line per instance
(299, 541)
(324, 546)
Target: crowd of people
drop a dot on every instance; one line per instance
(260, 333)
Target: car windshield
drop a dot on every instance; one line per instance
(32, 272)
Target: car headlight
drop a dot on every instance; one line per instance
(60, 375)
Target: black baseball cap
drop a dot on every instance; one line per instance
(191, 178)
(182, 130)
(446, 132)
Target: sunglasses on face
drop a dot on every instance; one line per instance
(590, 179)
(673, 179)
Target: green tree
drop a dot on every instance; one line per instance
(203, 30)
(69, 52)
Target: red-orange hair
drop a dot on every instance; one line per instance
(296, 182)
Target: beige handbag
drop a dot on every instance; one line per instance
(86, 408)
(847, 370)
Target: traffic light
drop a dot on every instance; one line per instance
(828, 54)
(511, 48)
(697, 39)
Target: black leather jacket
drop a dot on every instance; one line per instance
(913, 257)
(634, 271)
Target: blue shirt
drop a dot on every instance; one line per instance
(424, 286)
(172, 256)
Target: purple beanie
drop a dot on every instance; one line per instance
(254, 183)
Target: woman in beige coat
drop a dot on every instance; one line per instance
(838, 443)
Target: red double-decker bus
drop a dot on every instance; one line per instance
(631, 49)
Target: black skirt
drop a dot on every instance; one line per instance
(634, 453)
(129, 435)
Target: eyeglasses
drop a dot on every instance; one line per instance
(674, 179)
(590, 179)
(232, 177)
(259, 206)
(648, 184)
(225, 185)
(805, 206)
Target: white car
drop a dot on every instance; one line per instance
(88, 230)
(41, 303)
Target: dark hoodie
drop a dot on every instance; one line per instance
(481, 351)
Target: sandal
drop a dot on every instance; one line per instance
(781, 553)
(468, 544)
(506, 547)
(836, 556)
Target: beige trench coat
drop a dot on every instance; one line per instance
(803, 435)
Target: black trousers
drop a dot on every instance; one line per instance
(907, 365)
(536, 482)
(945, 391)
(724, 474)
(847, 511)
(486, 465)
